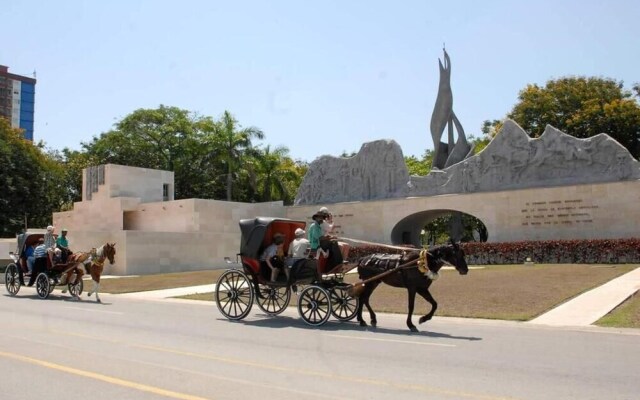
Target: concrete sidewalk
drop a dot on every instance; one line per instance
(168, 293)
(591, 306)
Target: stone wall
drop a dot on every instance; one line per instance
(592, 211)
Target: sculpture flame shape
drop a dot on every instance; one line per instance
(447, 154)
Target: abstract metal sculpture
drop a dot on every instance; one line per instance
(452, 152)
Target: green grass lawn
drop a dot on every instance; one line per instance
(510, 292)
(626, 315)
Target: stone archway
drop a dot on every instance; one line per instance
(408, 230)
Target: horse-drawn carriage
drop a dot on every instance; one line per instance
(322, 290)
(54, 274)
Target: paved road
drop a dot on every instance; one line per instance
(141, 349)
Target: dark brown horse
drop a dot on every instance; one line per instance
(414, 279)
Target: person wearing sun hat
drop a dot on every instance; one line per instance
(327, 232)
(63, 244)
(315, 232)
(298, 248)
(49, 239)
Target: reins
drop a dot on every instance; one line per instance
(390, 246)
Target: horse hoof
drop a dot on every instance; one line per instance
(98, 301)
(89, 294)
(414, 329)
(424, 319)
(363, 324)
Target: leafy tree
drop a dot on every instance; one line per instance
(581, 107)
(164, 130)
(419, 166)
(437, 230)
(32, 182)
(166, 138)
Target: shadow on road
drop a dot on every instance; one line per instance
(59, 297)
(279, 322)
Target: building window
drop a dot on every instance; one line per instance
(165, 192)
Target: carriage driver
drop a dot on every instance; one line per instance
(270, 257)
(63, 244)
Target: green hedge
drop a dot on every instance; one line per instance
(595, 251)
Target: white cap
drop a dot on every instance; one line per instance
(324, 210)
(50, 228)
(299, 232)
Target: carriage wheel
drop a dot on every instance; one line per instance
(314, 305)
(343, 306)
(76, 289)
(234, 295)
(43, 286)
(12, 279)
(273, 299)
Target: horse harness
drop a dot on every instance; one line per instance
(387, 262)
(100, 257)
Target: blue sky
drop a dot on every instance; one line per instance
(318, 78)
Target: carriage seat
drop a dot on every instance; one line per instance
(52, 264)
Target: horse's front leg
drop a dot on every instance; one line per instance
(364, 301)
(95, 277)
(411, 292)
(424, 292)
(372, 315)
(96, 287)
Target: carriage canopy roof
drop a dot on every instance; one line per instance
(256, 232)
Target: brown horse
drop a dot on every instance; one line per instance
(74, 260)
(412, 278)
(98, 257)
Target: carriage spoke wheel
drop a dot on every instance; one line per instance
(43, 286)
(75, 289)
(273, 299)
(234, 295)
(314, 305)
(12, 279)
(343, 306)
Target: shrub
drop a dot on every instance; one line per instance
(593, 251)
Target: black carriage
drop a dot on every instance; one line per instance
(321, 289)
(53, 275)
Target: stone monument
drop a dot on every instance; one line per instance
(512, 160)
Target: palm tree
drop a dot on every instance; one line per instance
(234, 142)
(271, 173)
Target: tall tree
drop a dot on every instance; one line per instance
(32, 182)
(271, 170)
(166, 138)
(581, 107)
(234, 141)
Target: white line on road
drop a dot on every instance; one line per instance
(392, 340)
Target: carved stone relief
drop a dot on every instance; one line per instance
(512, 160)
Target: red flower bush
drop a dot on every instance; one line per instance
(594, 251)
